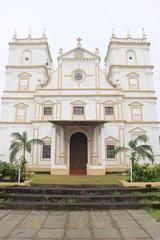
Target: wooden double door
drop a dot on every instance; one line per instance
(78, 154)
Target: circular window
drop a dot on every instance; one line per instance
(26, 58)
(78, 75)
(130, 58)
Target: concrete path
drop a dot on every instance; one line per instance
(110, 224)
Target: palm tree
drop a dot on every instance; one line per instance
(20, 146)
(139, 149)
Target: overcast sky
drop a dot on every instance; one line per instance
(92, 20)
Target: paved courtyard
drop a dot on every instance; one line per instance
(110, 224)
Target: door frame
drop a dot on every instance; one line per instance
(88, 147)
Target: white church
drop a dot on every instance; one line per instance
(80, 111)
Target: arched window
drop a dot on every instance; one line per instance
(131, 57)
(26, 57)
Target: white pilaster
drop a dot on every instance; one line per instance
(53, 147)
(62, 148)
(95, 147)
(103, 148)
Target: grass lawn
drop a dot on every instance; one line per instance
(51, 179)
(154, 213)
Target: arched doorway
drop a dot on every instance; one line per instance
(78, 153)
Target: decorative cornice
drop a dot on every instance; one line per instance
(80, 89)
(143, 122)
(78, 60)
(20, 91)
(131, 66)
(139, 91)
(22, 98)
(113, 121)
(80, 95)
(139, 97)
(18, 123)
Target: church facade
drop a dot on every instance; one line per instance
(80, 111)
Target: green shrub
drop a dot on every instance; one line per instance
(3, 169)
(145, 173)
(9, 171)
(12, 172)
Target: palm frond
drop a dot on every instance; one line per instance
(24, 135)
(17, 136)
(28, 147)
(132, 144)
(14, 145)
(146, 147)
(145, 151)
(13, 153)
(120, 149)
(142, 138)
(36, 141)
(150, 157)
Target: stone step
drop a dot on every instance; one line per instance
(78, 198)
(25, 205)
(74, 190)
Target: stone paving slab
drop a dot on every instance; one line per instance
(77, 225)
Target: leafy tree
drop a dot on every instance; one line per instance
(20, 146)
(139, 149)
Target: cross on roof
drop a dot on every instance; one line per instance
(79, 42)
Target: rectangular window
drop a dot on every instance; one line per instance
(23, 84)
(20, 116)
(78, 110)
(109, 110)
(47, 110)
(133, 84)
(110, 151)
(136, 114)
(46, 151)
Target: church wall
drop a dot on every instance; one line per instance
(97, 90)
(13, 77)
(145, 80)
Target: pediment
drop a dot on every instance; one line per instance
(137, 130)
(46, 139)
(132, 75)
(48, 102)
(111, 139)
(21, 105)
(135, 104)
(109, 102)
(79, 53)
(78, 102)
(24, 75)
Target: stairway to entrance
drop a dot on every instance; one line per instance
(73, 197)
